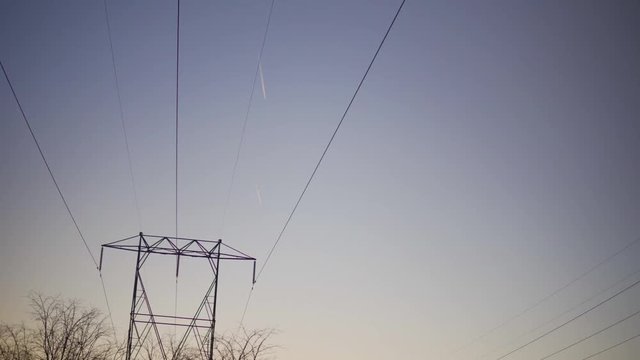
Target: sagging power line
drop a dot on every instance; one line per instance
(547, 333)
(64, 201)
(590, 335)
(257, 73)
(547, 297)
(611, 347)
(569, 310)
(121, 113)
(324, 152)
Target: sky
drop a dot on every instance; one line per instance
(491, 157)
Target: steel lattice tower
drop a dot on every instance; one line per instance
(201, 326)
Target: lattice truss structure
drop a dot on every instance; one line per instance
(144, 323)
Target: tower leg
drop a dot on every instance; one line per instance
(215, 302)
(133, 302)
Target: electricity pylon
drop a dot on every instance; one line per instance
(200, 327)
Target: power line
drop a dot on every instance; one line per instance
(66, 205)
(177, 104)
(570, 320)
(175, 300)
(106, 298)
(611, 347)
(544, 299)
(124, 128)
(246, 306)
(628, 276)
(304, 190)
(246, 118)
(590, 336)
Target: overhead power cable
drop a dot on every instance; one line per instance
(570, 320)
(53, 178)
(590, 336)
(121, 112)
(177, 105)
(175, 300)
(246, 306)
(544, 299)
(611, 347)
(324, 152)
(571, 309)
(246, 118)
(106, 300)
(326, 148)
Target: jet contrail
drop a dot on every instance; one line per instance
(264, 90)
(259, 194)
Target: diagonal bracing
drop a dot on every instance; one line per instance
(143, 321)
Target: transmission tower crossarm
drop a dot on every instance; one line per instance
(147, 245)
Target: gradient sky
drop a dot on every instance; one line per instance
(492, 156)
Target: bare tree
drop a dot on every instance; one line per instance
(248, 345)
(148, 351)
(16, 343)
(68, 331)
